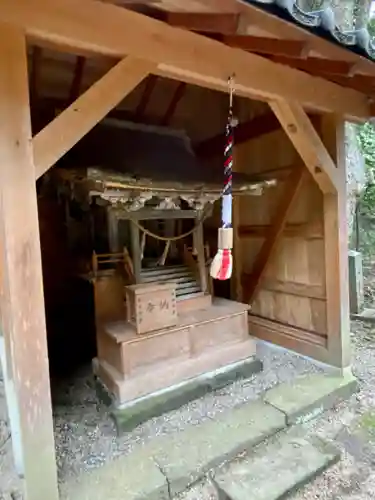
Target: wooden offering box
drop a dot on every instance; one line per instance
(151, 306)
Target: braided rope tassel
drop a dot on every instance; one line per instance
(221, 267)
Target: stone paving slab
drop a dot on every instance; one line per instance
(186, 456)
(126, 419)
(135, 477)
(306, 397)
(275, 469)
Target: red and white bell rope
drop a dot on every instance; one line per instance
(221, 267)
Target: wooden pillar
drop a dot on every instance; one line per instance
(113, 233)
(336, 247)
(21, 289)
(136, 251)
(199, 247)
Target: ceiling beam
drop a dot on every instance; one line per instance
(54, 140)
(177, 96)
(317, 64)
(267, 45)
(211, 22)
(75, 88)
(184, 55)
(280, 28)
(146, 96)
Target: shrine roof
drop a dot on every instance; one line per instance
(322, 23)
(129, 155)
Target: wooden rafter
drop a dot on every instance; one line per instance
(267, 45)
(307, 142)
(177, 96)
(252, 282)
(51, 143)
(284, 29)
(221, 22)
(178, 53)
(317, 64)
(362, 83)
(75, 87)
(253, 15)
(146, 96)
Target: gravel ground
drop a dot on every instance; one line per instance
(85, 434)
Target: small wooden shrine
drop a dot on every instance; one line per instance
(157, 322)
(298, 78)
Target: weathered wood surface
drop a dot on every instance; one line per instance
(293, 290)
(52, 142)
(134, 365)
(336, 247)
(179, 54)
(303, 135)
(21, 282)
(151, 306)
(282, 211)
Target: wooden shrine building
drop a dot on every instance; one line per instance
(113, 113)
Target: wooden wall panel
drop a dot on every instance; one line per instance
(292, 290)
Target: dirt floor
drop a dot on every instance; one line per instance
(86, 439)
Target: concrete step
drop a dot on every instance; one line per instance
(276, 468)
(278, 458)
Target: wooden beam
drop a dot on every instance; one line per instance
(146, 96)
(290, 337)
(317, 64)
(316, 292)
(281, 28)
(214, 22)
(310, 230)
(267, 45)
(51, 143)
(21, 281)
(252, 281)
(179, 54)
(336, 248)
(177, 96)
(362, 83)
(201, 258)
(75, 88)
(136, 251)
(255, 15)
(308, 144)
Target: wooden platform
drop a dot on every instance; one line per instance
(132, 366)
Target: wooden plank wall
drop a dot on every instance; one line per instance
(292, 290)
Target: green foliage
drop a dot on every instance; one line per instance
(371, 27)
(364, 236)
(366, 139)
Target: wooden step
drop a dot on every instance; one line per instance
(170, 373)
(186, 281)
